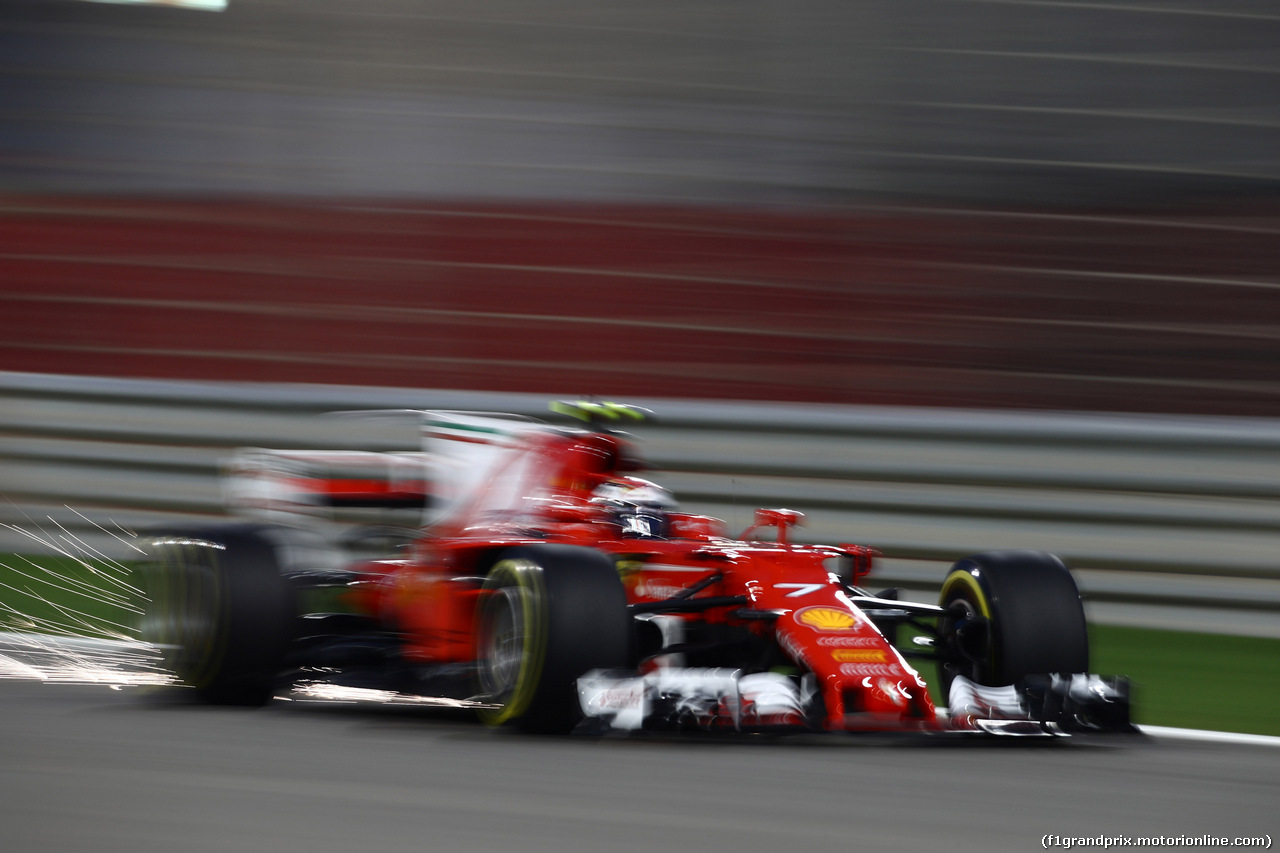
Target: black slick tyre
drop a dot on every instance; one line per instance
(1011, 614)
(219, 609)
(547, 614)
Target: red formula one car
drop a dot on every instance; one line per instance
(554, 590)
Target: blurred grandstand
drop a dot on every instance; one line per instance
(985, 203)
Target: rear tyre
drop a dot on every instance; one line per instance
(1011, 614)
(220, 609)
(547, 614)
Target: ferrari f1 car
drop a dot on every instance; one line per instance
(553, 590)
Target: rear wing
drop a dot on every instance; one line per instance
(332, 485)
(461, 453)
(472, 465)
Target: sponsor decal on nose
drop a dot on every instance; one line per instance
(828, 619)
(860, 656)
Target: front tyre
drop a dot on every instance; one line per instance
(1011, 614)
(219, 609)
(547, 614)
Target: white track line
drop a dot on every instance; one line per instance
(1209, 737)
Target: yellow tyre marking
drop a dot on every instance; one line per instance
(968, 581)
(528, 580)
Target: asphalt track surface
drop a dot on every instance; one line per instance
(85, 767)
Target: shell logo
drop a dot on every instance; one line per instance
(860, 656)
(826, 618)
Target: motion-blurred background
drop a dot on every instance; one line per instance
(1030, 245)
(982, 203)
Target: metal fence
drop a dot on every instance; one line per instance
(1157, 514)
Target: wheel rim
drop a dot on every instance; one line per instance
(503, 644)
(969, 651)
(181, 616)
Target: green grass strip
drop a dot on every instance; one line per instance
(1194, 681)
(61, 595)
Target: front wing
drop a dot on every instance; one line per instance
(720, 699)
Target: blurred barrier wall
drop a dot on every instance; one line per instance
(1156, 510)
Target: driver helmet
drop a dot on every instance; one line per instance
(639, 507)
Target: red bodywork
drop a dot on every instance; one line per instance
(787, 594)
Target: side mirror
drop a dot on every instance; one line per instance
(782, 519)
